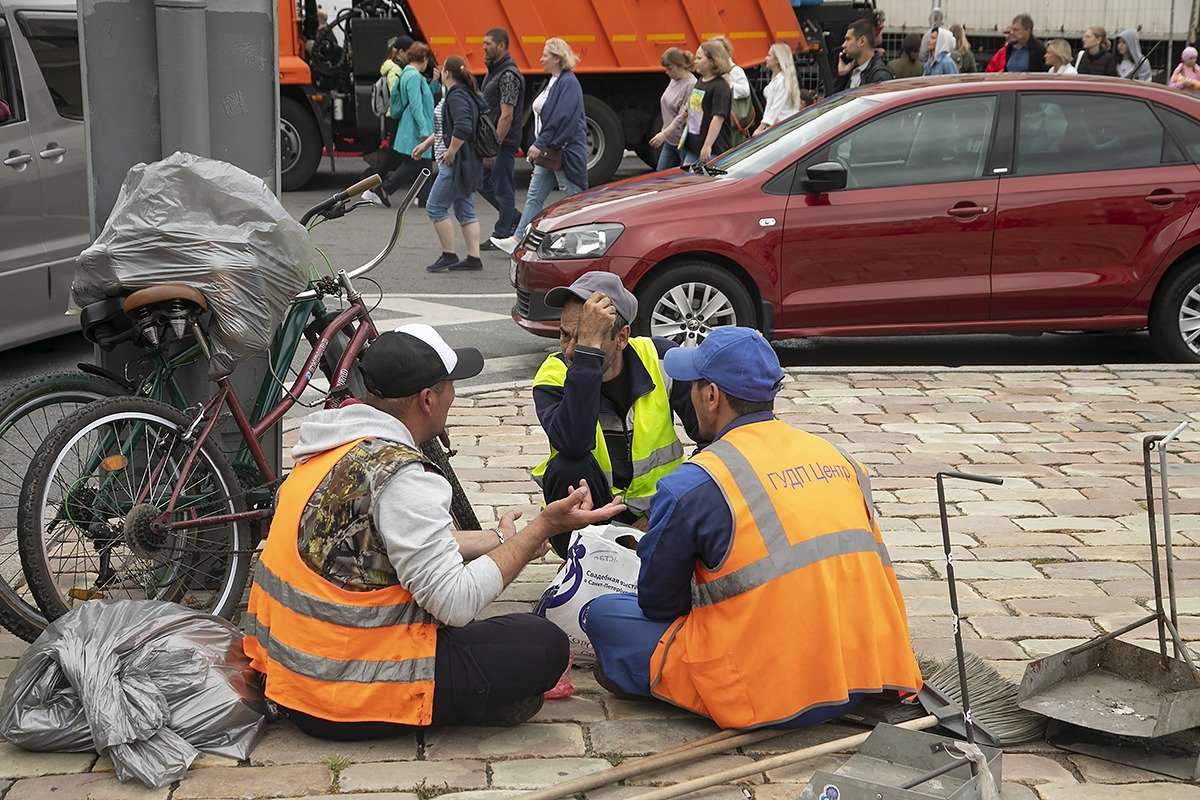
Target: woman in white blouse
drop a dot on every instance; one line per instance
(783, 92)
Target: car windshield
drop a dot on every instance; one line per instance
(789, 137)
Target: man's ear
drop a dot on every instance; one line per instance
(623, 336)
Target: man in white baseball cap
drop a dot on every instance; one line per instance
(362, 612)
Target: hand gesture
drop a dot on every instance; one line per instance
(575, 511)
(597, 321)
(658, 139)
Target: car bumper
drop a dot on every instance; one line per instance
(532, 278)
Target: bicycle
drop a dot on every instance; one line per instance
(336, 339)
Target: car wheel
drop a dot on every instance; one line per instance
(1175, 315)
(685, 302)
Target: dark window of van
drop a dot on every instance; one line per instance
(54, 39)
(11, 109)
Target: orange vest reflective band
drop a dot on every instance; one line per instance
(332, 653)
(805, 608)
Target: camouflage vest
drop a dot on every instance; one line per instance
(338, 538)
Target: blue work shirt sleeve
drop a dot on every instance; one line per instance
(569, 414)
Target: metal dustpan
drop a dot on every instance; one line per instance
(1119, 688)
(1176, 755)
(898, 764)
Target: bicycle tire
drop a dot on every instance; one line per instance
(29, 412)
(110, 441)
(461, 510)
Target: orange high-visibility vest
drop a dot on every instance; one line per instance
(326, 651)
(805, 608)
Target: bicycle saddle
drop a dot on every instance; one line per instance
(164, 293)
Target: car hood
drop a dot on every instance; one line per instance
(621, 201)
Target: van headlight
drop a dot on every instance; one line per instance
(582, 241)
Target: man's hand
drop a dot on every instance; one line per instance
(575, 511)
(532, 153)
(844, 68)
(448, 158)
(489, 163)
(508, 523)
(597, 320)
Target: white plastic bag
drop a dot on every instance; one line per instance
(596, 565)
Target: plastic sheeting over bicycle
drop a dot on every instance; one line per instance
(150, 684)
(209, 225)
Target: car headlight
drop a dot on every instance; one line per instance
(582, 241)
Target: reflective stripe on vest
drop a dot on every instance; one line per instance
(804, 609)
(655, 448)
(327, 651)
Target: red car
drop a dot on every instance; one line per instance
(968, 204)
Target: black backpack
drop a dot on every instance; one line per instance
(485, 141)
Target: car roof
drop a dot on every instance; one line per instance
(908, 89)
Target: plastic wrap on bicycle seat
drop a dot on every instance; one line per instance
(147, 683)
(209, 225)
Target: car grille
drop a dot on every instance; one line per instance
(523, 303)
(533, 239)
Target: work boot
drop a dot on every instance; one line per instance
(508, 715)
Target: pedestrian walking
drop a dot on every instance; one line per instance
(705, 119)
(939, 62)
(783, 92)
(963, 58)
(559, 149)
(504, 92)
(412, 110)
(1186, 77)
(741, 108)
(1096, 56)
(462, 172)
(1130, 61)
(678, 65)
(1058, 58)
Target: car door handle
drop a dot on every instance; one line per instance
(966, 212)
(53, 151)
(1165, 198)
(17, 160)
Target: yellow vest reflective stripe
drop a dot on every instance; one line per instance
(330, 652)
(655, 448)
(805, 608)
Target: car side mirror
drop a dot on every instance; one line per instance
(829, 176)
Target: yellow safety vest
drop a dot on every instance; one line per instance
(656, 449)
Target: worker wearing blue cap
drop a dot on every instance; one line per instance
(766, 596)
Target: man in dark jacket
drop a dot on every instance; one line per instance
(859, 64)
(908, 65)
(504, 91)
(1024, 51)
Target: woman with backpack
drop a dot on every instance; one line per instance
(559, 151)
(412, 111)
(461, 172)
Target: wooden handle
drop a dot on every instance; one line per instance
(775, 762)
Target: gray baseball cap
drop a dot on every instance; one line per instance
(588, 284)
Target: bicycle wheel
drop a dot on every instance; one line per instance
(90, 524)
(460, 507)
(29, 411)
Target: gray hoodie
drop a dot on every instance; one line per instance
(412, 514)
(1138, 68)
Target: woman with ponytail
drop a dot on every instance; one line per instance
(1096, 57)
(783, 92)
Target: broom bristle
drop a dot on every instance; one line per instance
(993, 700)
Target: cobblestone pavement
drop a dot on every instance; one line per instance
(1054, 556)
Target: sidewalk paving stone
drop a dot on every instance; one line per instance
(250, 783)
(1030, 769)
(18, 763)
(283, 743)
(91, 785)
(535, 773)
(1137, 791)
(549, 740)
(405, 775)
(639, 737)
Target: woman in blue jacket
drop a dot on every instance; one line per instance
(941, 45)
(412, 109)
(558, 127)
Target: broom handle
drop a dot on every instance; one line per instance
(690, 751)
(775, 762)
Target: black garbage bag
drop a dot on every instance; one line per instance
(147, 683)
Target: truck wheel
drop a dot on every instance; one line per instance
(605, 138)
(299, 144)
(684, 303)
(648, 154)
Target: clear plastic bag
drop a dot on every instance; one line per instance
(148, 683)
(209, 225)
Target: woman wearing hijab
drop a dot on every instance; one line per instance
(941, 44)
(1130, 61)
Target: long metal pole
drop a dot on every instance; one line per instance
(1171, 43)
(182, 37)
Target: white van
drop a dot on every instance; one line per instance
(43, 168)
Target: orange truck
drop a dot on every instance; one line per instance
(326, 72)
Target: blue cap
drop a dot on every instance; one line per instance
(739, 361)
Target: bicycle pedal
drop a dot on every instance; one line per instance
(86, 594)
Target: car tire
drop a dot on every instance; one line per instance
(606, 140)
(1176, 306)
(300, 145)
(664, 300)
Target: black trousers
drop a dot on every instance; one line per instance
(478, 667)
(561, 474)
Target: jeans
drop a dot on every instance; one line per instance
(540, 185)
(443, 195)
(668, 156)
(499, 190)
(688, 158)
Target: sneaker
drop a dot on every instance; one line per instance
(468, 264)
(507, 245)
(376, 198)
(488, 244)
(443, 263)
(508, 715)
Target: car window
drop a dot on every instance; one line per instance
(11, 108)
(789, 137)
(1186, 132)
(1078, 132)
(937, 142)
(54, 39)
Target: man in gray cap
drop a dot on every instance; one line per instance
(605, 402)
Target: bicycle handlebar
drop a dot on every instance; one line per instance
(369, 182)
(421, 178)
